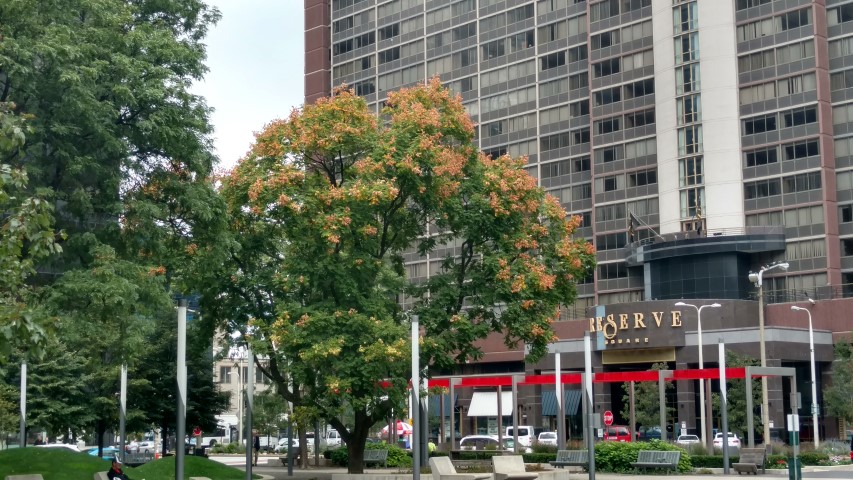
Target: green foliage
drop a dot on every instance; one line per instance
(814, 458)
(616, 457)
(777, 461)
(838, 397)
(164, 469)
(9, 410)
(540, 448)
(232, 447)
(708, 461)
(539, 457)
(646, 400)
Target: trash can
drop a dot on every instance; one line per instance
(795, 468)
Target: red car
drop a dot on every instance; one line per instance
(617, 433)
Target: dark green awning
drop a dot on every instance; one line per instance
(571, 401)
(434, 405)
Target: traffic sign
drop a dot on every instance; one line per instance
(608, 417)
(196, 431)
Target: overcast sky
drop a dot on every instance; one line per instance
(255, 56)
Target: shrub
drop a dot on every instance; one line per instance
(616, 457)
(814, 458)
(397, 457)
(708, 461)
(540, 448)
(228, 448)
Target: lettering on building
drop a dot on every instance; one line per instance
(633, 328)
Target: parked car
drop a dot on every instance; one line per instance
(687, 439)
(148, 446)
(649, 433)
(281, 446)
(485, 442)
(734, 441)
(547, 438)
(333, 439)
(617, 433)
(108, 453)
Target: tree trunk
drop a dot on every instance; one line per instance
(355, 449)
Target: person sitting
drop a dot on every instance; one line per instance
(116, 472)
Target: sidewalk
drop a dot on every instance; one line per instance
(272, 470)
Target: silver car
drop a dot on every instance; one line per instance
(547, 438)
(687, 439)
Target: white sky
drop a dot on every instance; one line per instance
(255, 55)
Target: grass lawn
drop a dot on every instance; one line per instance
(60, 464)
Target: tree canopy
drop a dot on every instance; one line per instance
(328, 214)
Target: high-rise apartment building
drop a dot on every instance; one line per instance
(699, 140)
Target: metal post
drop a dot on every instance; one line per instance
(416, 384)
(500, 415)
(704, 407)
(515, 422)
(724, 406)
(632, 412)
(561, 408)
(453, 382)
(122, 411)
(590, 434)
(662, 401)
(250, 400)
(765, 408)
(181, 428)
(815, 407)
(23, 420)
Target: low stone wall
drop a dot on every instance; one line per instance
(561, 474)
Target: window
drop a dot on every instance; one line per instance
(795, 52)
(224, 374)
(842, 114)
(548, 6)
(554, 115)
(689, 140)
(608, 125)
(684, 17)
(762, 156)
(389, 31)
(604, 40)
(843, 147)
(555, 169)
(761, 124)
(580, 137)
(802, 182)
(795, 19)
(578, 109)
(845, 213)
(756, 61)
(611, 241)
(640, 88)
(839, 15)
(744, 4)
(578, 80)
(631, 5)
(580, 165)
(797, 84)
(757, 93)
(640, 148)
(646, 177)
(389, 55)
(493, 22)
(582, 191)
(494, 49)
(799, 116)
(638, 119)
(553, 32)
(519, 14)
(605, 68)
(765, 219)
(552, 60)
(762, 189)
(354, 43)
(688, 109)
(690, 171)
(554, 87)
(793, 151)
(609, 154)
(636, 31)
(577, 54)
(364, 88)
(612, 183)
(841, 47)
(603, 10)
(753, 30)
(638, 60)
(609, 271)
(607, 96)
(687, 47)
(553, 142)
(687, 79)
(841, 80)
(691, 200)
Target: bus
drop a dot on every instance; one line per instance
(225, 432)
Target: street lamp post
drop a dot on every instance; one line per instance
(814, 377)
(704, 406)
(757, 278)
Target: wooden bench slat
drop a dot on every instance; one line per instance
(751, 460)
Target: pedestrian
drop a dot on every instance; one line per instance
(39, 441)
(115, 472)
(257, 446)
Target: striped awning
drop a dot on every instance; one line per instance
(571, 401)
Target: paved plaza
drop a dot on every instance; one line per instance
(271, 469)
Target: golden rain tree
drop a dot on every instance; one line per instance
(324, 213)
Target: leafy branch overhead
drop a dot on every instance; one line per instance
(336, 216)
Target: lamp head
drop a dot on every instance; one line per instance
(680, 304)
(811, 300)
(794, 307)
(754, 278)
(715, 305)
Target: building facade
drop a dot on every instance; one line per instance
(699, 140)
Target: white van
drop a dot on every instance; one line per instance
(333, 439)
(525, 435)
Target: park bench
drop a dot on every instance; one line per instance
(30, 476)
(751, 460)
(571, 458)
(662, 459)
(376, 456)
(443, 469)
(137, 458)
(511, 467)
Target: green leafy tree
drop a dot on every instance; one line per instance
(736, 398)
(323, 213)
(646, 401)
(269, 413)
(839, 396)
(26, 238)
(9, 412)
